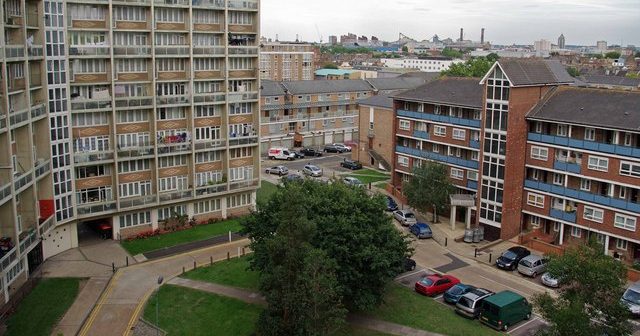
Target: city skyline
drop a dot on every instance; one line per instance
(613, 21)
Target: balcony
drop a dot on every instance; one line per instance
(131, 25)
(567, 166)
(208, 74)
(89, 78)
(132, 51)
(91, 51)
(127, 152)
(171, 3)
(29, 239)
(242, 74)
(138, 201)
(92, 157)
(42, 168)
(585, 144)
(209, 97)
(242, 4)
(126, 2)
(171, 148)
(240, 51)
(437, 157)
(8, 258)
(182, 51)
(211, 189)
(215, 4)
(172, 100)
(244, 184)
(35, 51)
(13, 51)
(171, 75)
(46, 225)
(90, 209)
(209, 144)
(583, 196)
(82, 23)
(421, 134)
(208, 51)
(81, 105)
(563, 215)
(5, 193)
(474, 144)
(134, 102)
(440, 118)
(38, 110)
(3, 121)
(237, 97)
(176, 195)
(22, 181)
(472, 185)
(18, 117)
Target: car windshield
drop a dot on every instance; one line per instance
(425, 230)
(426, 281)
(409, 215)
(509, 255)
(526, 263)
(456, 290)
(632, 296)
(465, 302)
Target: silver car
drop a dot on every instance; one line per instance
(352, 181)
(532, 265)
(405, 217)
(631, 298)
(312, 170)
(469, 304)
(278, 170)
(550, 281)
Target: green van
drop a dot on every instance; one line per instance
(504, 309)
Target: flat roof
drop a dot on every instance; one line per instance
(333, 72)
(503, 298)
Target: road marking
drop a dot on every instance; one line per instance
(501, 284)
(92, 316)
(438, 297)
(522, 325)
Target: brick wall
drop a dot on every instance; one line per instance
(132, 231)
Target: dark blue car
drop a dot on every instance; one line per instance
(421, 230)
(456, 292)
(391, 204)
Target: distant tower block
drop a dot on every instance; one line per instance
(461, 34)
(482, 36)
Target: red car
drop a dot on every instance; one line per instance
(435, 284)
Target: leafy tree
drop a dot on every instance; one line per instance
(573, 72)
(452, 53)
(589, 303)
(429, 188)
(475, 67)
(612, 55)
(492, 57)
(632, 75)
(319, 249)
(405, 49)
(329, 66)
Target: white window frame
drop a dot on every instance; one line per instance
(457, 174)
(440, 131)
(472, 175)
(404, 125)
(625, 222)
(576, 232)
(585, 184)
(459, 134)
(593, 214)
(633, 169)
(537, 201)
(600, 164)
(403, 161)
(621, 244)
(539, 153)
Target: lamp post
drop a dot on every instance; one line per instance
(160, 280)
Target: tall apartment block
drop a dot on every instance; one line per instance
(287, 61)
(123, 114)
(553, 161)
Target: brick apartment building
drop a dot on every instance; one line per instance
(551, 160)
(281, 61)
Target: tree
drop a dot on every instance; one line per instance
(329, 66)
(405, 49)
(320, 249)
(589, 303)
(429, 188)
(492, 58)
(573, 72)
(475, 67)
(448, 52)
(612, 55)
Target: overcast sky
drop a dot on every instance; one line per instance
(506, 21)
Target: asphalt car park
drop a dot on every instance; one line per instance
(329, 163)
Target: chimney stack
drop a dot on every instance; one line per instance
(482, 36)
(461, 34)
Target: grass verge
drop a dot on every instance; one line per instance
(185, 311)
(43, 307)
(404, 306)
(370, 179)
(266, 190)
(234, 272)
(199, 232)
(371, 172)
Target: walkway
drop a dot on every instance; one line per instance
(255, 298)
(177, 249)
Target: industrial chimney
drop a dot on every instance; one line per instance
(461, 34)
(482, 36)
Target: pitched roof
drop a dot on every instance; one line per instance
(448, 90)
(396, 83)
(381, 100)
(271, 88)
(524, 72)
(611, 80)
(326, 86)
(615, 109)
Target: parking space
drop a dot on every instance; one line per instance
(329, 163)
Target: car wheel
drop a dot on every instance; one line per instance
(505, 327)
(272, 158)
(528, 316)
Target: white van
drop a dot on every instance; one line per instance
(280, 153)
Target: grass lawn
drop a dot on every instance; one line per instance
(381, 185)
(185, 311)
(367, 176)
(404, 306)
(199, 232)
(234, 273)
(43, 307)
(371, 172)
(266, 190)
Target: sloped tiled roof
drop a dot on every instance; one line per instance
(326, 86)
(611, 80)
(271, 88)
(396, 83)
(381, 100)
(448, 90)
(523, 72)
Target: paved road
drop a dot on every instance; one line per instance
(329, 163)
(120, 306)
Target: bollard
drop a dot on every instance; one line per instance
(182, 269)
(369, 185)
(489, 257)
(211, 260)
(127, 257)
(229, 236)
(194, 264)
(243, 251)
(228, 256)
(446, 241)
(475, 253)
(238, 251)
(113, 267)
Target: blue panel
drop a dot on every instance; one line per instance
(557, 190)
(531, 184)
(607, 148)
(601, 200)
(573, 167)
(421, 135)
(635, 207)
(636, 153)
(563, 141)
(544, 187)
(555, 213)
(623, 150)
(618, 203)
(591, 145)
(534, 136)
(559, 165)
(570, 217)
(474, 144)
(576, 143)
(472, 185)
(547, 138)
(572, 193)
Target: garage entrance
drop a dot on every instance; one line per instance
(94, 231)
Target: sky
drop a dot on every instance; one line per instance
(583, 22)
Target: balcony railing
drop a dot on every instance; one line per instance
(172, 100)
(172, 2)
(90, 209)
(30, 239)
(583, 196)
(440, 118)
(135, 102)
(245, 140)
(46, 225)
(5, 191)
(8, 258)
(236, 97)
(421, 135)
(177, 195)
(13, 51)
(585, 144)
(23, 181)
(101, 50)
(132, 51)
(437, 157)
(138, 201)
(472, 185)
(35, 51)
(567, 166)
(474, 144)
(210, 51)
(18, 117)
(211, 189)
(209, 144)
(242, 4)
(243, 184)
(83, 105)
(3, 120)
(209, 97)
(170, 148)
(38, 110)
(172, 50)
(125, 152)
(85, 157)
(42, 168)
(563, 215)
(233, 50)
(208, 3)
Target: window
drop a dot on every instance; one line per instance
(403, 161)
(241, 173)
(576, 232)
(628, 139)
(535, 200)
(168, 212)
(459, 134)
(558, 179)
(435, 148)
(207, 206)
(135, 219)
(238, 200)
(593, 214)
(535, 174)
(562, 130)
(404, 125)
(472, 175)
(208, 178)
(436, 109)
(590, 134)
(133, 166)
(556, 227)
(538, 127)
(539, 153)
(439, 130)
(133, 189)
(585, 184)
(630, 169)
(598, 163)
(535, 221)
(173, 183)
(205, 157)
(172, 161)
(625, 222)
(457, 174)
(621, 244)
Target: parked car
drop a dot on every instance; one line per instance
(343, 146)
(278, 170)
(421, 230)
(405, 217)
(510, 258)
(352, 181)
(312, 170)
(469, 304)
(350, 164)
(532, 265)
(631, 298)
(435, 284)
(453, 294)
(298, 155)
(334, 149)
(550, 281)
(504, 309)
(292, 178)
(308, 151)
(409, 264)
(391, 204)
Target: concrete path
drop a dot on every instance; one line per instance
(81, 307)
(121, 304)
(177, 249)
(256, 298)
(89, 260)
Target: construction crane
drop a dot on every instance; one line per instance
(319, 35)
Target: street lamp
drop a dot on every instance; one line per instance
(160, 280)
